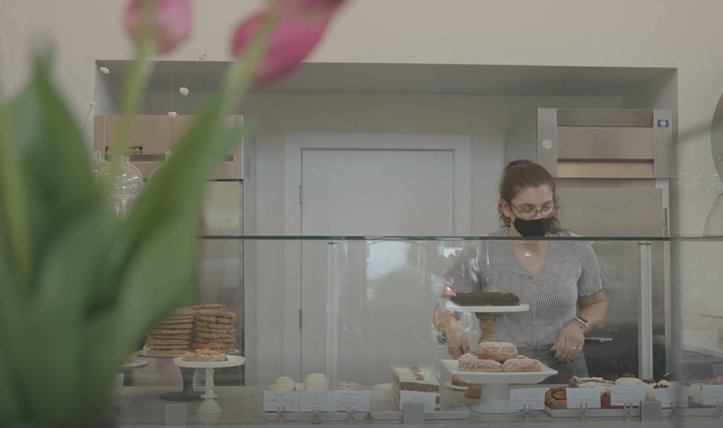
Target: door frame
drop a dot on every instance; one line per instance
(294, 145)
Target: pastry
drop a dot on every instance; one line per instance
(131, 358)
(178, 326)
(206, 306)
(316, 382)
(226, 315)
(206, 319)
(498, 351)
(471, 363)
(220, 320)
(284, 383)
(415, 378)
(204, 356)
(457, 382)
(474, 392)
(348, 386)
(590, 382)
(556, 398)
(652, 394)
(521, 365)
(486, 298)
(213, 325)
(207, 312)
(206, 335)
(628, 379)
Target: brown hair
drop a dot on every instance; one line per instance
(521, 174)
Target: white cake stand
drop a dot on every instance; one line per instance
(209, 405)
(488, 315)
(495, 395)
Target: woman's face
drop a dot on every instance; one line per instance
(530, 203)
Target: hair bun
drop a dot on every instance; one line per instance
(517, 162)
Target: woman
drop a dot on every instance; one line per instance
(560, 280)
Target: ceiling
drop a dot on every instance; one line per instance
(487, 80)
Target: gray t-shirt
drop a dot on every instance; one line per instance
(570, 271)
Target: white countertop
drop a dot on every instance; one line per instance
(140, 407)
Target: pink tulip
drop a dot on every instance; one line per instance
(306, 10)
(171, 22)
(290, 42)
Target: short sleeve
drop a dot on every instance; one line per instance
(591, 279)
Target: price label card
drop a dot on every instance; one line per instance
(316, 400)
(583, 396)
(274, 400)
(624, 395)
(670, 396)
(712, 395)
(359, 400)
(532, 398)
(428, 399)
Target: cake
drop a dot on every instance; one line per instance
(415, 378)
(628, 379)
(486, 298)
(204, 356)
(316, 382)
(283, 383)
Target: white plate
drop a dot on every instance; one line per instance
(308, 417)
(142, 353)
(492, 309)
(499, 378)
(450, 385)
(137, 364)
(233, 361)
(382, 387)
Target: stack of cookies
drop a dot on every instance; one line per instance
(172, 336)
(214, 329)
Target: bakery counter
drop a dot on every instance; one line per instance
(141, 407)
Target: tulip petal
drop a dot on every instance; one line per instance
(306, 10)
(171, 22)
(291, 42)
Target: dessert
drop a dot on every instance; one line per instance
(498, 351)
(214, 328)
(204, 356)
(283, 383)
(172, 336)
(556, 398)
(521, 365)
(590, 382)
(131, 358)
(415, 378)
(628, 379)
(316, 382)
(348, 386)
(472, 363)
(652, 394)
(486, 298)
(457, 382)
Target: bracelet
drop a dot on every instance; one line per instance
(583, 324)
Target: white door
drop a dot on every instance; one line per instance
(371, 306)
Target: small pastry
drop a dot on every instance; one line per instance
(316, 382)
(498, 351)
(471, 363)
(628, 379)
(521, 365)
(284, 383)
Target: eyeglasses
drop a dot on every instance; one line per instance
(531, 213)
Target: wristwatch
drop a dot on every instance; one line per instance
(582, 322)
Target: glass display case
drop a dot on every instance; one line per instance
(363, 314)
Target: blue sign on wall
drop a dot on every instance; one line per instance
(663, 123)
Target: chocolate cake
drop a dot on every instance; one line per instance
(486, 298)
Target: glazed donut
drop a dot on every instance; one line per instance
(521, 365)
(498, 351)
(470, 363)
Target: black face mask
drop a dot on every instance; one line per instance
(536, 227)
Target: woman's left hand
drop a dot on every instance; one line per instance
(569, 343)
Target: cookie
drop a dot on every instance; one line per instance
(179, 326)
(205, 335)
(169, 321)
(155, 342)
(220, 349)
(167, 347)
(206, 319)
(182, 312)
(208, 312)
(167, 351)
(212, 325)
(226, 315)
(225, 320)
(207, 342)
(207, 306)
(163, 331)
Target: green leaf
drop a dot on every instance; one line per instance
(56, 318)
(159, 278)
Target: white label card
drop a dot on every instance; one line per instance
(316, 400)
(428, 399)
(712, 395)
(624, 395)
(359, 400)
(670, 396)
(274, 400)
(583, 396)
(532, 398)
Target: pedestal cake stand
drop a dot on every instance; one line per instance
(209, 405)
(495, 396)
(188, 393)
(488, 316)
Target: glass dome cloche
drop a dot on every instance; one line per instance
(126, 184)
